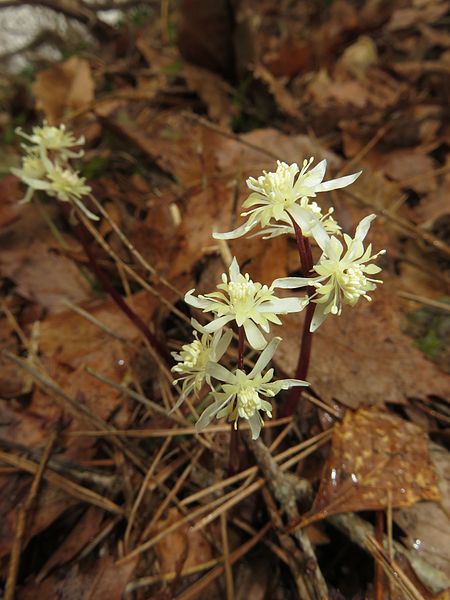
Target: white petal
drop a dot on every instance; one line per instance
(254, 336)
(219, 372)
(238, 232)
(304, 218)
(290, 283)
(283, 305)
(209, 413)
(316, 175)
(318, 317)
(222, 345)
(255, 425)
(217, 324)
(234, 270)
(189, 298)
(198, 326)
(320, 234)
(336, 184)
(288, 383)
(363, 227)
(265, 357)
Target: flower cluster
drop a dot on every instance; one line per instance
(279, 203)
(45, 165)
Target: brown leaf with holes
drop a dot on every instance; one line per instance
(375, 454)
(427, 525)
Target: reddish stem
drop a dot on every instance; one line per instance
(84, 237)
(301, 372)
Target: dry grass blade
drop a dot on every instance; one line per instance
(14, 561)
(78, 410)
(203, 583)
(73, 489)
(226, 557)
(151, 580)
(393, 570)
(143, 489)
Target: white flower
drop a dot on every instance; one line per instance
(342, 276)
(193, 358)
(58, 182)
(33, 169)
(55, 139)
(251, 304)
(310, 227)
(240, 394)
(275, 199)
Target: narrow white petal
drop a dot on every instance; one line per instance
(283, 305)
(320, 234)
(223, 344)
(209, 413)
(254, 336)
(255, 425)
(291, 283)
(217, 324)
(318, 317)
(336, 184)
(198, 326)
(189, 298)
(219, 372)
(363, 227)
(235, 233)
(234, 269)
(288, 383)
(265, 357)
(316, 175)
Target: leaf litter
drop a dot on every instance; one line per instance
(173, 133)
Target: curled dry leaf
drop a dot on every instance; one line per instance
(375, 454)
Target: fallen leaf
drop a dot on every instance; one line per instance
(102, 579)
(375, 454)
(83, 532)
(183, 548)
(362, 357)
(32, 259)
(427, 525)
(67, 86)
(213, 91)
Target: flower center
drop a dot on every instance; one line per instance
(242, 292)
(32, 165)
(354, 282)
(278, 186)
(191, 353)
(248, 402)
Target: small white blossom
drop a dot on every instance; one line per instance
(33, 169)
(56, 139)
(240, 395)
(193, 358)
(279, 197)
(251, 304)
(342, 276)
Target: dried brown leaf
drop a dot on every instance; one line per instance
(373, 454)
(67, 86)
(427, 524)
(362, 357)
